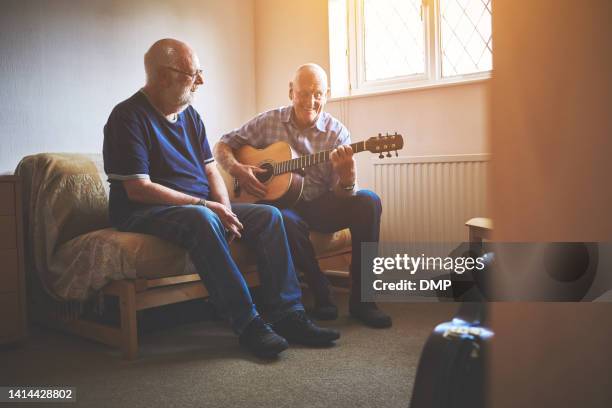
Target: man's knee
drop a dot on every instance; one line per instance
(294, 224)
(188, 226)
(202, 219)
(369, 199)
(269, 213)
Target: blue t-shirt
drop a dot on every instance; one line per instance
(139, 142)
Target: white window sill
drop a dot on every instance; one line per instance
(416, 86)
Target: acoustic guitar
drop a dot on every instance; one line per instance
(283, 168)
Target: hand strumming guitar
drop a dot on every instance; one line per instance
(245, 174)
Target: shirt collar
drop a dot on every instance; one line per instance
(287, 116)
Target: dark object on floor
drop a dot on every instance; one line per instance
(259, 338)
(452, 368)
(298, 328)
(370, 315)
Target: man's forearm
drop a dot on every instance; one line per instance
(154, 193)
(225, 156)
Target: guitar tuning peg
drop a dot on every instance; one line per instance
(396, 153)
(394, 133)
(380, 135)
(388, 154)
(381, 156)
(387, 134)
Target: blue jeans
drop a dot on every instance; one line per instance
(328, 213)
(200, 231)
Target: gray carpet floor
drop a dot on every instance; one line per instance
(201, 365)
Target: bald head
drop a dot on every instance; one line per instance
(311, 73)
(166, 53)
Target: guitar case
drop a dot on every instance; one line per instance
(452, 368)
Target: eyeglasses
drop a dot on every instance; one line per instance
(193, 76)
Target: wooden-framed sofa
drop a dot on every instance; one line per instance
(74, 258)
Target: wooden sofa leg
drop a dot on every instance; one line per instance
(129, 328)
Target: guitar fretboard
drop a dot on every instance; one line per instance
(311, 159)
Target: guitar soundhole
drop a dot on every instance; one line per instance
(265, 177)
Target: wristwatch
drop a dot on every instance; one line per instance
(202, 202)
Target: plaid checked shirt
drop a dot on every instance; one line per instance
(278, 125)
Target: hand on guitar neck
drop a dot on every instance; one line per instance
(343, 163)
(246, 176)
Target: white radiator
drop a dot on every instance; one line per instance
(429, 198)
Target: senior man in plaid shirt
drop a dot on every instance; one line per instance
(330, 200)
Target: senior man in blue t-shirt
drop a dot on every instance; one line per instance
(164, 182)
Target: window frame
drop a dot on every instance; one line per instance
(355, 64)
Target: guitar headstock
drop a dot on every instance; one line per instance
(386, 143)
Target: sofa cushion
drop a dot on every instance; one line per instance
(91, 260)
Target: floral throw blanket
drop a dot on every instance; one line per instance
(71, 249)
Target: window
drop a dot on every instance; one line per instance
(386, 45)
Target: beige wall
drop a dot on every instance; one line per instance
(65, 64)
(437, 121)
(287, 33)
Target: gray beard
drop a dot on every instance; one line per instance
(181, 103)
(186, 99)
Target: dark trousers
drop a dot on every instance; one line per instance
(328, 213)
(200, 231)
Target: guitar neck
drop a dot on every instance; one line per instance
(311, 159)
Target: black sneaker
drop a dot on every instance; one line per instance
(298, 328)
(261, 340)
(370, 314)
